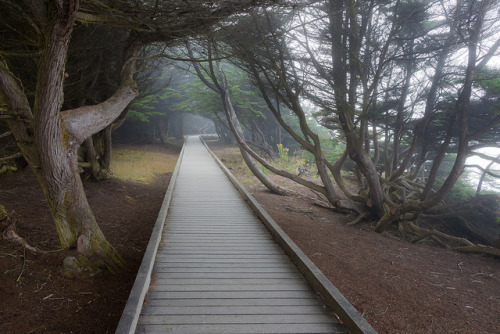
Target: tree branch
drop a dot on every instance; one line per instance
(85, 121)
(486, 157)
(13, 156)
(6, 134)
(493, 123)
(484, 170)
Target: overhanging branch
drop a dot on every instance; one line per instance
(83, 122)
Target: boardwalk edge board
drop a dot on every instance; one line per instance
(132, 310)
(349, 316)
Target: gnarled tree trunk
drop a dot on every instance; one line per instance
(50, 139)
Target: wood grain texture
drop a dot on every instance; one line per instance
(218, 270)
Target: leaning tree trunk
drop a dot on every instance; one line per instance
(50, 139)
(108, 149)
(92, 162)
(159, 129)
(238, 133)
(463, 137)
(58, 169)
(104, 144)
(233, 122)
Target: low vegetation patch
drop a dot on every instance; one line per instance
(142, 165)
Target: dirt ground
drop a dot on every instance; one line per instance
(34, 296)
(397, 286)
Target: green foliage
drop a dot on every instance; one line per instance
(137, 116)
(283, 153)
(460, 191)
(193, 96)
(291, 163)
(148, 106)
(331, 147)
(489, 80)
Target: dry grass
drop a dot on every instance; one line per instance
(142, 163)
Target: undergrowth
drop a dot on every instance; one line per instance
(137, 163)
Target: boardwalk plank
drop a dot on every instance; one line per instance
(182, 247)
(152, 309)
(228, 281)
(228, 302)
(234, 288)
(237, 319)
(179, 268)
(229, 275)
(229, 294)
(224, 264)
(235, 260)
(242, 329)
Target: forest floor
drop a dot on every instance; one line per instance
(34, 296)
(398, 287)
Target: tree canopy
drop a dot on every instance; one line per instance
(406, 87)
(57, 91)
(404, 84)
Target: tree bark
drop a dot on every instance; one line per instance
(50, 139)
(108, 150)
(346, 112)
(91, 156)
(57, 139)
(462, 106)
(238, 133)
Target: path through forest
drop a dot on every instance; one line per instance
(397, 286)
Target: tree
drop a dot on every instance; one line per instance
(260, 129)
(93, 74)
(272, 67)
(188, 94)
(217, 82)
(49, 139)
(386, 80)
(36, 36)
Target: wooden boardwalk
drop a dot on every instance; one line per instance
(218, 269)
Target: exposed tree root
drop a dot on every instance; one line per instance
(10, 232)
(424, 233)
(479, 249)
(321, 204)
(387, 219)
(358, 218)
(6, 168)
(11, 235)
(466, 245)
(342, 206)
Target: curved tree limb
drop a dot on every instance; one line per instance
(335, 170)
(10, 157)
(85, 121)
(222, 90)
